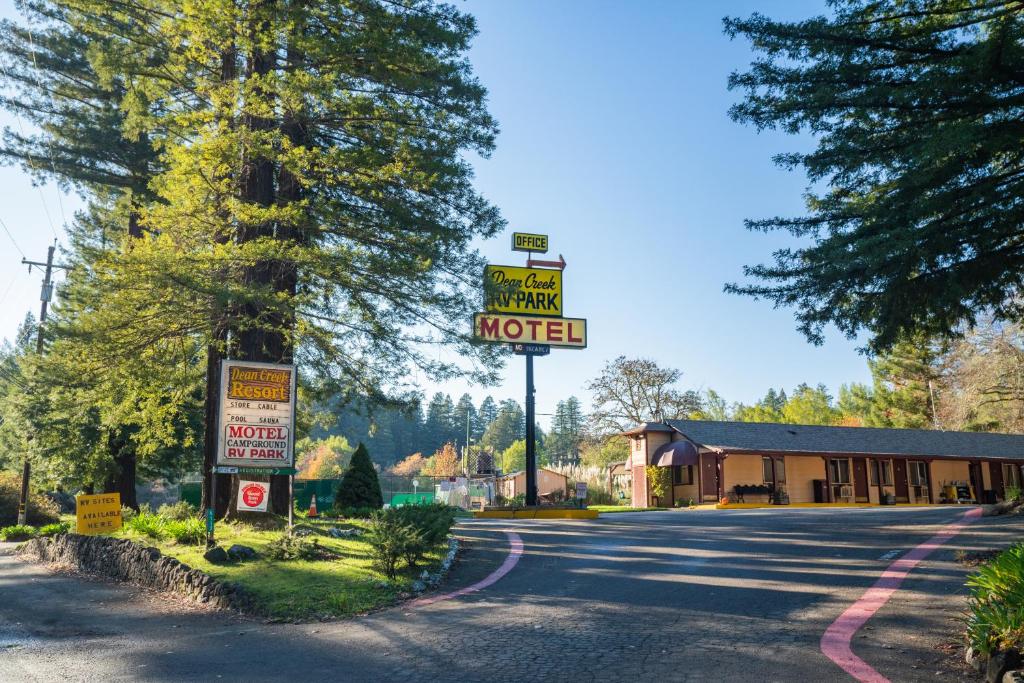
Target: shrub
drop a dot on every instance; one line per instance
(288, 547)
(1013, 493)
(432, 522)
(182, 510)
(359, 487)
(355, 513)
(148, 524)
(54, 529)
(188, 531)
(995, 619)
(127, 514)
(17, 532)
(391, 541)
(41, 510)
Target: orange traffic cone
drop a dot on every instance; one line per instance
(312, 507)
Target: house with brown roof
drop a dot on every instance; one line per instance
(783, 463)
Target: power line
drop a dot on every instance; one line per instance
(7, 291)
(12, 239)
(33, 165)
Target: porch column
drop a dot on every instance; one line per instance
(828, 483)
(719, 475)
(931, 483)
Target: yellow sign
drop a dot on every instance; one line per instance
(526, 329)
(528, 241)
(99, 514)
(533, 291)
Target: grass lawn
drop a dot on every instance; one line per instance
(299, 589)
(604, 509)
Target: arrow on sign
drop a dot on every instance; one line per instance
(560, 263)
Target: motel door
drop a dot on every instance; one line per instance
(977, 481)
(860, 480)
(709, 476)
(899, 473)
(995, 470)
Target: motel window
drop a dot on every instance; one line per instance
(682, 475)
(780, 469)
(918, 473)
(1011, 475)
(885, 468)
(839, 471)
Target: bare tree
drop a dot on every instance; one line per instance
(634, 390)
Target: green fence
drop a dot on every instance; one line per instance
(303, 490)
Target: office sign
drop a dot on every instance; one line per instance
(528, 241)
(98, 514)
(531, 291)
(257, 415)
(525, 329)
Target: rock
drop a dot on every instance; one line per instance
(241, 552)
(303, 531)
(335, 532)
(975, 659)
(1014, 676)
(216, 555)
(999, 663)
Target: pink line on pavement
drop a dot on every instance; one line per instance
(835, 643)
(515, 551)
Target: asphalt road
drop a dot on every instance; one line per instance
(731, 595)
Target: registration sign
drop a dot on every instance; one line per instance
(98, 514)
(532, 291)
(257, 415)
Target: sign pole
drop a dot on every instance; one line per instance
(291, 502)
(210, 511)
(531, 441)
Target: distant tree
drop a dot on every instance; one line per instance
(359, 487)
(810, 406)
(630, 391)
(409, 466)
(913, 107)
(465, 411)
(323, 458)
(855, 404)
(487, 414)
(437, 424)
(446, 462)
(508, 426)
(513, 458)
(713, 407)
(563, 443)
(907, 380)
(604, 452)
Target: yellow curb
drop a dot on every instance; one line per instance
(756, 506)
(536, 514)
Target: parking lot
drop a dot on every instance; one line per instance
(679, 595)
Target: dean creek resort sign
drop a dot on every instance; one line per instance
(257, 415)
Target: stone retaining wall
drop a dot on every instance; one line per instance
(123, 560)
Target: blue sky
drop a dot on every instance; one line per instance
(616, 142)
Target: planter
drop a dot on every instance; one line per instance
(888, 499)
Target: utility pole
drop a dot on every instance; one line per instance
(44, 296)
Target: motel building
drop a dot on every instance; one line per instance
(758, 463)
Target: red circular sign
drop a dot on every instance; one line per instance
(252, 495)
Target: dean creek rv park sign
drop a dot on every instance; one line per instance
(525, 309)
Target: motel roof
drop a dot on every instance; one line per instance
(768, 437)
